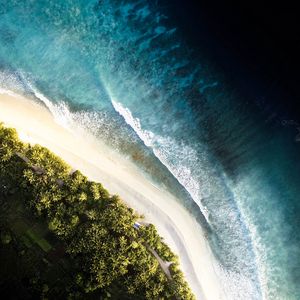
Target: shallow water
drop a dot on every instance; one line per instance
(118, 69)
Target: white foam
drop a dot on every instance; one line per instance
(144, 135)
(60, 111)
(8, 92)
(241, 190)
(161, 147)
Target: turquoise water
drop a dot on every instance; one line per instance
(118, 69)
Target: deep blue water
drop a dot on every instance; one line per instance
(123, 70)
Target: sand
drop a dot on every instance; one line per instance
(35, 124)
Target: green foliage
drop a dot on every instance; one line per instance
(152, 238)
(9, 143)
(96, 228)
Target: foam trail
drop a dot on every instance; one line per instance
(8, 92)
(181, 173)
(146, 136)
(60, 111)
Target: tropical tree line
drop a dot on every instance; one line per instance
(96, 228)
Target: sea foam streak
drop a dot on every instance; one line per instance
(181, 173)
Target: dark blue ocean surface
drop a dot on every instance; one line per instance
(124, 71)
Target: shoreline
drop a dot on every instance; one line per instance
(35, 124)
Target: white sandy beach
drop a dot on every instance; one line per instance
(179, 229)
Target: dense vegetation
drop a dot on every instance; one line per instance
(107, 256)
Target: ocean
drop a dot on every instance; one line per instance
(123, 71)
